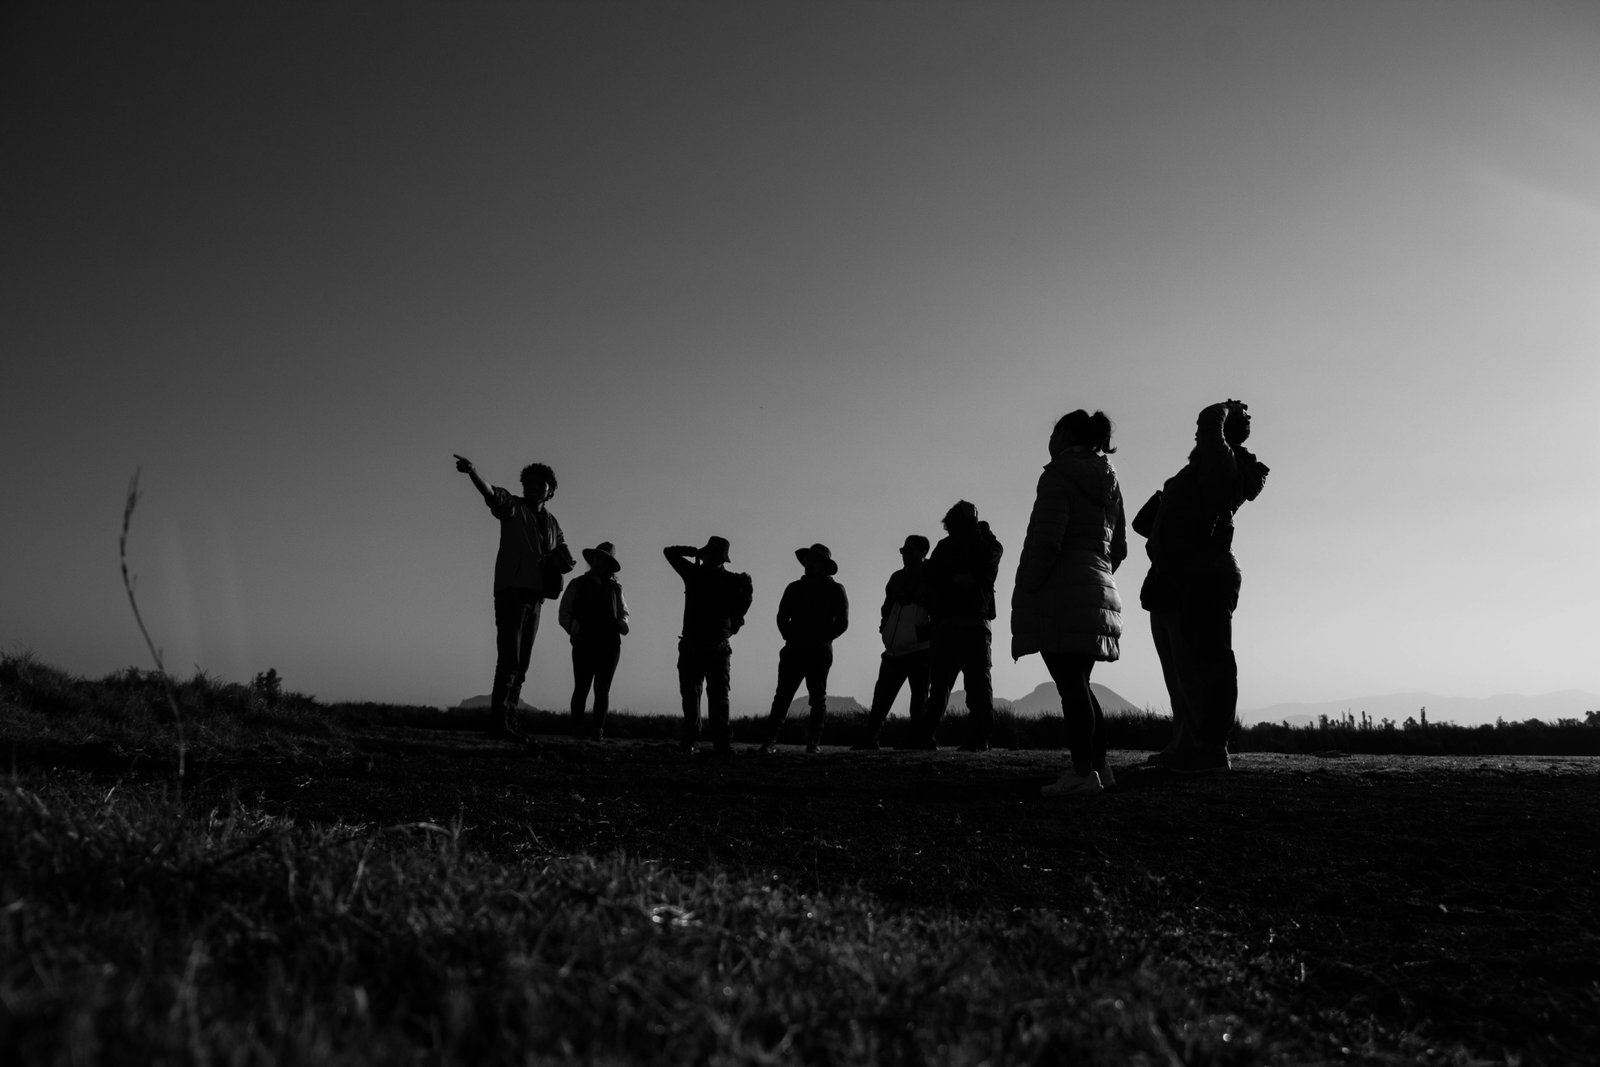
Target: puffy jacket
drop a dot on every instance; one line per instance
(1065, 598)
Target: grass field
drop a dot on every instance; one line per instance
(352, 885)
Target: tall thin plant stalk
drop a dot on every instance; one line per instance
(128, 582)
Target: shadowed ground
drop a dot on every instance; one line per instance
(1461, 891)
(1448, 899)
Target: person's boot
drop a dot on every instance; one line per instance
(977, 733)
(869, 739)
(503, 727)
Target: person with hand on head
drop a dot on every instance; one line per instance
(595, 615)
(903, 625)
(715, 602)
(1192, 588)
(529, 568)
(811, 614)
(1065, 605)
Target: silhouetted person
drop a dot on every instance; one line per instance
(528, 570)
(1064, 605)
(812, 612)
(1192, 587)
(715, 601)
(903, 624)
(961, 575)
(595, 615)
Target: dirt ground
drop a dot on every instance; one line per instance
(1448, 896)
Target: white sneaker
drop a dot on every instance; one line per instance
(1072, 784)
(1107, 779)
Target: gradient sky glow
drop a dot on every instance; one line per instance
(793, 273)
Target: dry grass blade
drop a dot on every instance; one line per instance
(128, 582)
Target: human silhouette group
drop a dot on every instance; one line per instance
(935, 620)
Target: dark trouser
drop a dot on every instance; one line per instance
(593, 662)
(893, 671)
(964, 651)
(516, 621)
(1195, 642)
(707, 663)
(811, 664)
(1086, 723)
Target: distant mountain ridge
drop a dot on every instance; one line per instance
(800, 705)
(1046, 700)
(1465, 711)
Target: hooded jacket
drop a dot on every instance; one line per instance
(1065, 598)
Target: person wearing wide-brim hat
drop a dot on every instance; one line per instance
(715, 602)
(813, 611)
(595, 616)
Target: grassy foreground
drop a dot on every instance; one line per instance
(322, 886)
(137, 931)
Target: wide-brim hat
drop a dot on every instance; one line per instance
(602, 557)
(820, 555)
(714, 550)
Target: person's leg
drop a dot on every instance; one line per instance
(942, 670)
(691, 674)
(819, 661)
(791, 671)
(605, 661)
(515, 624)
(507, 623)
(975, 670)
(583, 670)
(891, 673)
(526, 631)
(916, 670)
(1071, 674)
(719, 684)
(1099, 749)
(1164, 633)
(1210, 670)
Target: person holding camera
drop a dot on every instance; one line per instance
(529, 568)
(1192, 587)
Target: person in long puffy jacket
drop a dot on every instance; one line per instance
(1064, 604)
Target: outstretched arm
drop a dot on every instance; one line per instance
(464, 465)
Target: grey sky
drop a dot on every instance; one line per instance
(794, 273)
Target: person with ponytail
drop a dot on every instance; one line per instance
(1065, 605)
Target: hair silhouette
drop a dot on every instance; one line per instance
(1081, 428)
(539, 472)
